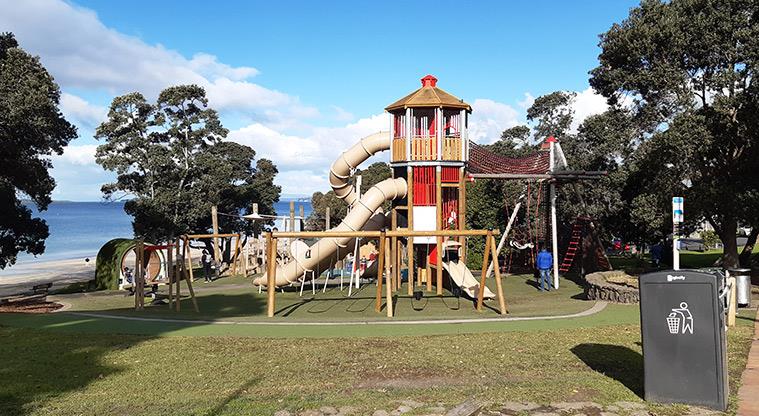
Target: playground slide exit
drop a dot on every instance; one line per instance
(463, 278)
(365, 213)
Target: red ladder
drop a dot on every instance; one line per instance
(574, 245)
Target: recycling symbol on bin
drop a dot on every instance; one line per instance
(680, 320)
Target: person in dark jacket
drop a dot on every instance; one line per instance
(206, 261)
(544, 263)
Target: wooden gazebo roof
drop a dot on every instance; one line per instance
(429, 95)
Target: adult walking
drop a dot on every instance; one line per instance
(544, 262)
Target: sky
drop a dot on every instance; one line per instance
(301, 81)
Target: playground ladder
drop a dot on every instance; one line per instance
(574, 245)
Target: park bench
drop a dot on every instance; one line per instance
(38, 292)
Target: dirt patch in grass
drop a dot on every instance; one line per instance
(29, 306)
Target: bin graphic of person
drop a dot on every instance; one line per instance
(680, 320)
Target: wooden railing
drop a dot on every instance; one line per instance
(452, 148)
(399, 149)
(423, 148)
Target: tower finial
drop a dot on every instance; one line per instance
(429, 81)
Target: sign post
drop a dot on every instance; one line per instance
(678, 215)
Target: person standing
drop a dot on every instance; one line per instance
(544, 263)
(205, 259)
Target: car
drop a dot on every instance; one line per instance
(692, 245)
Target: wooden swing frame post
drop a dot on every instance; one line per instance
(380, 272)
(188, 276)
(170, 270)
(271, 263)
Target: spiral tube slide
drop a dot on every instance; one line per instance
(365, 213)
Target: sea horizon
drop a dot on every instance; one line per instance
(78, 229)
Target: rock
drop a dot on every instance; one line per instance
(608, 414)
(612, 408)
(640, 413)
(544, 414)
(436, 409)
(328, 410)
(282, 413)
(380, 413)
(630, 405)
(347, 410)
(519, 407)
(310, 413)
(467, 408)
(412, 404)
(403, 409)
(599, 287)
(700, 411)
(566, 406)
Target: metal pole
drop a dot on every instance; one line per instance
(554, 233)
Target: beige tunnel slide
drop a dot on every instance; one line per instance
(365, 213)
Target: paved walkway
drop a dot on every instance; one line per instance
(748, 395)
(597, 307)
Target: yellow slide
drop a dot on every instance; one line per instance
(365, 213)
(464, 279)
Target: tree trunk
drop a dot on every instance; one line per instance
(730, 243)
(745, 257)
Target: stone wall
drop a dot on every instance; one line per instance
(612, 286)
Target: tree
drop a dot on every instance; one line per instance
(687, 68)
(32, 128)
(170, 157)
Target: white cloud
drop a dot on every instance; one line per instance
(81, 112)
(586, 104)
(81, 52)
(490, 118)
(78, 155)
(527, 102)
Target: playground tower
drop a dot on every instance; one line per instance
(430, 150)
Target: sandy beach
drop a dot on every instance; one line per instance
(20, 278)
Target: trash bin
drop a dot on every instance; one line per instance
(682, 319)
(742, 286)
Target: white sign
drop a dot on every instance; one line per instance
(680, 320)
(678, 209)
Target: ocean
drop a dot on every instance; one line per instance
(79, 229)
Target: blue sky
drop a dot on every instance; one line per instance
(301, 81)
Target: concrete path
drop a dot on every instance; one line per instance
(597, 307)
(748, 394)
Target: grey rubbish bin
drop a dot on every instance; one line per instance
(683, 330)
(742, 286)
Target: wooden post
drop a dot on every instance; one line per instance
(439, 269)
(439, 224)
(170, 269)
(292, 215)
(235, 256)
(462, 212)
(327, 225)
(497, 269)
(393, 264)
(271, 244)
(388, 284)
(188, 277)
(188, 256)
(733, 299)
(380, 272)
(137, 280)
(215, 224)
(410, 216)
(485, 261)
(428, 269)
(178, 274)
(398, 263)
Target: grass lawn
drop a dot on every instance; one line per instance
(53, 372)
(65, 363)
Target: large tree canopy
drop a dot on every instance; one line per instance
(32, 128)
(688, 70)
(170, 158)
